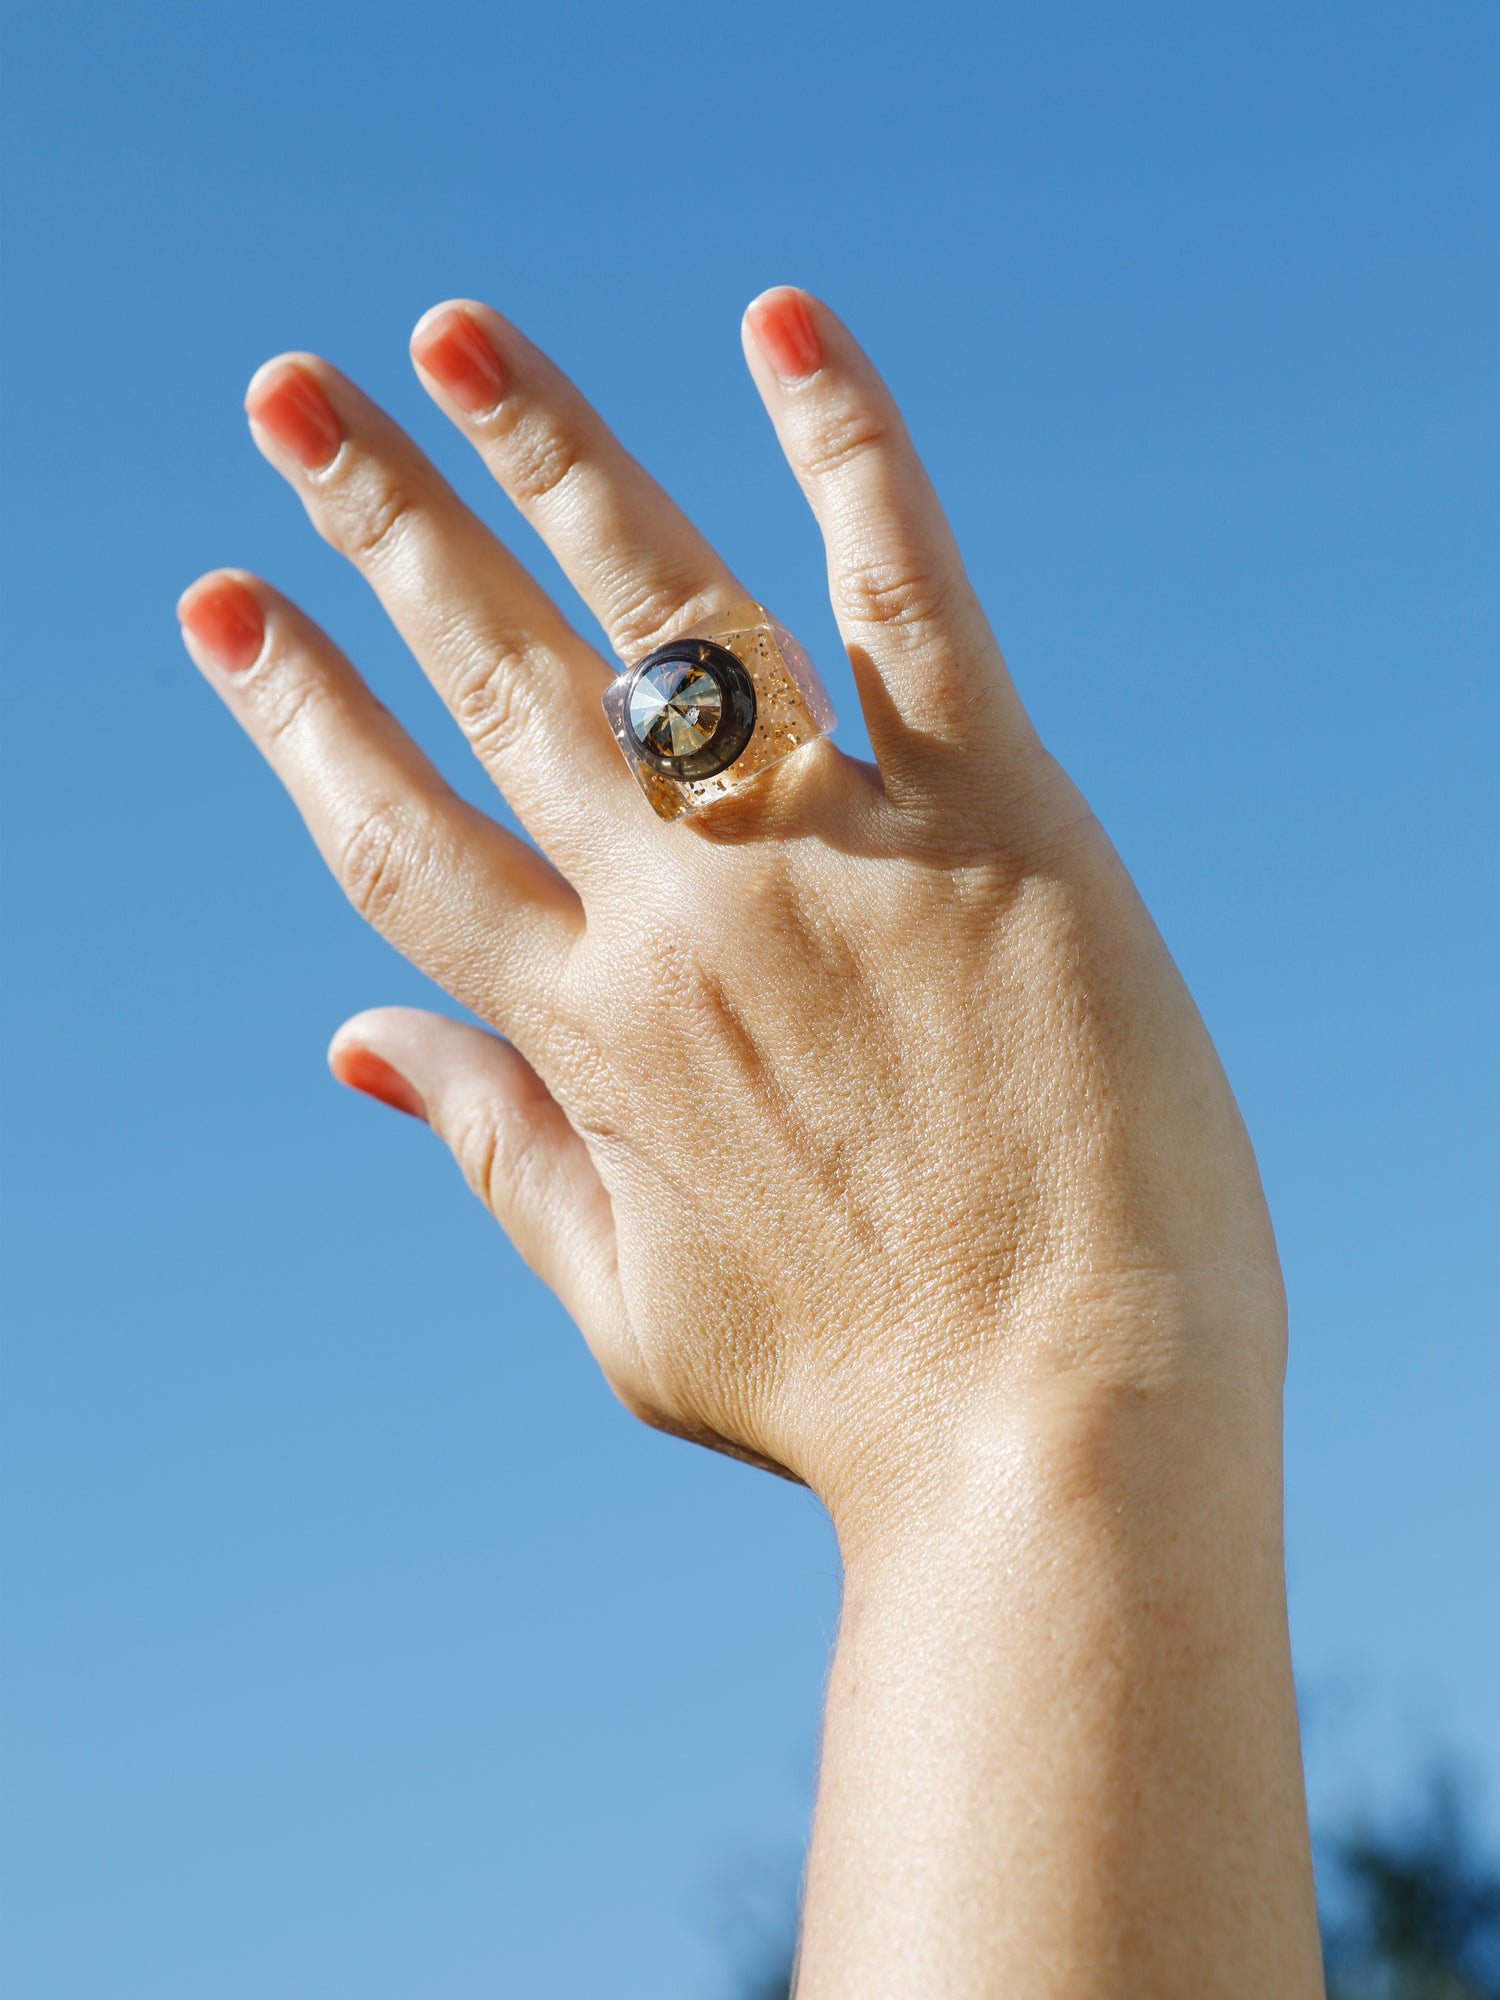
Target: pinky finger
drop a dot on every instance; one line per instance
(513, 1142)
(529, 1166)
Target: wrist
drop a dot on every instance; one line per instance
(1091, 1417)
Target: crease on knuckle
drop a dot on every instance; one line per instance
(891, 593)
(475, 1142)
(839, 438)
(502, 1159)
(373, 516)
(286, 698)
(376, 862)
(649, 614)
(490, 701)
(539, 459)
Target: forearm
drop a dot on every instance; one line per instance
(1061, 1751)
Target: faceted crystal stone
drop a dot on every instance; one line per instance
(783, 705)
(675, 708)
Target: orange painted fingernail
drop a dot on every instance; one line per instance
(783, 325)
(363, 1070)
(285, 400)
(225, 620)
(455, 352)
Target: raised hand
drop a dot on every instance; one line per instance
(861, 1122)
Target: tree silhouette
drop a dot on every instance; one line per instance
(1424, 1906)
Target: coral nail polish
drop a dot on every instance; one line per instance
(288, 403)
(783, 325)
(363, 1070)
(454, 351)
(224, 621)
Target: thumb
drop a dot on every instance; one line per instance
(512, 1140)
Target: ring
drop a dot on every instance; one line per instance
(712, 709)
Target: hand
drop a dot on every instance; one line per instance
(839, 1114)
(864, 1126)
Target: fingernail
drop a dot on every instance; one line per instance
(224, 620)
(363, 1070)
(286, 401)
(456, 354)
(782, 324)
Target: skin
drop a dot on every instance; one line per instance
(878, 1142)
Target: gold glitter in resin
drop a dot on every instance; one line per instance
(791, 708)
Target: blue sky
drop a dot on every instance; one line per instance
(358, 1641)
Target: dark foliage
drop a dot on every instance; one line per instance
(1423, 1901)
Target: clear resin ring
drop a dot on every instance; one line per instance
(713, 709)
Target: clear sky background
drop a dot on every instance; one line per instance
(358, 1643)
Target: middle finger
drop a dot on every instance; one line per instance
(627, 548)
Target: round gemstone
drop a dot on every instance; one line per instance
(675, 707)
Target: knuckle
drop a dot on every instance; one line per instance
(539, 457)
(500, 1156)
(286, 698)
(475, 1141)
(892, 593)
(376, 862)
(372, 516)
(490, 702)
(647, 615)
(838, 437)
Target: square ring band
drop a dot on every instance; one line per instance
(706, 713)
